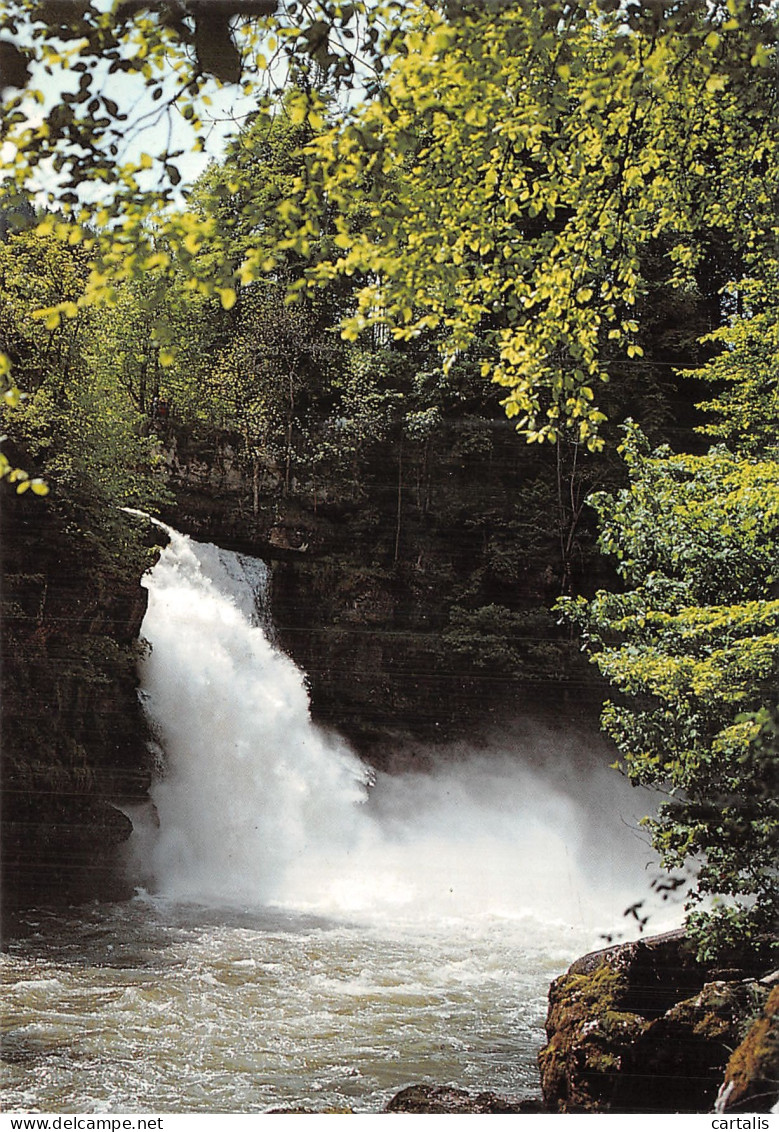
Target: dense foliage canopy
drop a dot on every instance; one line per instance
(511, 164)
(516, 169)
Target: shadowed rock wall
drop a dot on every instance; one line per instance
(74, 742)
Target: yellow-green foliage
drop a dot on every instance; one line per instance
(518, 162)
(75, 420)
(692, 647)
(503, 171)
(745, 373)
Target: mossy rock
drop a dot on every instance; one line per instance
(678, 1063)
(588, 1036)
(638, 1028)
(752, 1075)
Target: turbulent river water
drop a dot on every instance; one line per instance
(306, 933)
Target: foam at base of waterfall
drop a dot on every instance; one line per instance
(257, 806)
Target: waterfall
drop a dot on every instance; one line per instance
(249, 785)
(303, 935)
(257, 806)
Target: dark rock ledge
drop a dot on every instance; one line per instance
(441, 1099)
(445, 1099)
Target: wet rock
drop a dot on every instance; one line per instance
(642, 1027)
(299, 1111)
(587, 1033)
(752, 1076)
(681, 1057)
(656, 972)
(447, 1099)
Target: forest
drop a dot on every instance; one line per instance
(469, 323)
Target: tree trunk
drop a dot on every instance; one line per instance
(290, 419)
(400, 498)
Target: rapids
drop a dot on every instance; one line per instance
(306, 933)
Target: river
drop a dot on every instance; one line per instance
(305, 932)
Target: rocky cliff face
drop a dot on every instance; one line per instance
(422, 611)
(74, 748)
(414, 598)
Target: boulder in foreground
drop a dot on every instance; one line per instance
(644, 1028)
(446, 1099)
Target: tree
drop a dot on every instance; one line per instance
(76, 423)
(265, 378)
(512, 158)
(691, 647)
(98, 105)
(71, 603)
(521, 158)
(745, 373)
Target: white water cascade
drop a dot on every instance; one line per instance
(258, 807)
(249, 787)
